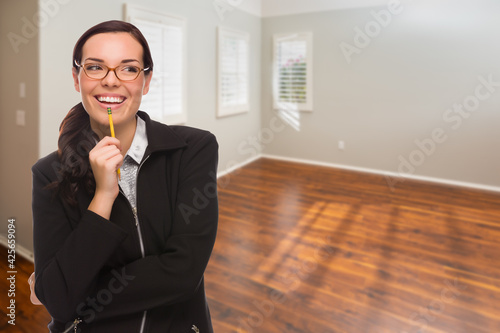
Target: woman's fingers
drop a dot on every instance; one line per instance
(33, 297)
(105, 150)
(101, 156)
(105, 159)
(107, 141)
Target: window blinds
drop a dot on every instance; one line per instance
(165, 100)
(233, 72)
(293, 71)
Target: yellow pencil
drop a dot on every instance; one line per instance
(112, 129)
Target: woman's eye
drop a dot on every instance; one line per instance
(93, 68)
(130, 69)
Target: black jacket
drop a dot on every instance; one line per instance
(90, 268)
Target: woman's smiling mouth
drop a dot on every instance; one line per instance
(110, 99)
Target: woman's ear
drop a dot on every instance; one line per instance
(76, 80)
(147, 83)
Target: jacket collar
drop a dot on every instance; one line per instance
(161, 137)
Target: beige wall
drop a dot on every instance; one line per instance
(397, 89)
(18, 145)
(72, 19)
(44, 63)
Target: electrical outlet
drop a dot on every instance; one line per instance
(341, 145)
(20, 118)
(22, 90)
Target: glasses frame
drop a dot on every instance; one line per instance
(112, 70)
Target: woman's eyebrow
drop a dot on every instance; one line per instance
(129, 60)
(124, 61)
(94, 59)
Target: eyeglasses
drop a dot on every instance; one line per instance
(98, 71)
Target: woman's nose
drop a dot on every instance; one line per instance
(111, 79)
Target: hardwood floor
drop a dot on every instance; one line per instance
(28, 317)
(312, 249)
(302, 248)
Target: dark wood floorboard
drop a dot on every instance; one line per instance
(29, 318)
(304, 249)
(312, 249)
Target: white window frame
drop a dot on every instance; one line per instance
(135, 14)
(227, 110)
(306, 37)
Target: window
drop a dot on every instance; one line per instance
(166, 36)
(232, 72)
(292, 64)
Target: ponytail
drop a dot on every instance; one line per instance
(76, 139)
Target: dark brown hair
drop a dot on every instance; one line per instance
(114, 26)
(76, 137)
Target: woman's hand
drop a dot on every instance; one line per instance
(105, 159)
(33, 297)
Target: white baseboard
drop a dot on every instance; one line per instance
(27, 254)
(237, 166)
(20, 250)
(394, 175)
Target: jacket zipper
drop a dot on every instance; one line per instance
(134, 209)
(73, 326)
(136, 218)
(143, 322)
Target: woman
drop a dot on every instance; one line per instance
(128, 253)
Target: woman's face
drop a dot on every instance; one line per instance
(124, 98)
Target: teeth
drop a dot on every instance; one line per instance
(108, 99)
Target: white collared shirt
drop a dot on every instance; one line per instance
(131, 163)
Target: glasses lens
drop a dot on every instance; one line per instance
(127, 73)
(123, 73)
(95, 71)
